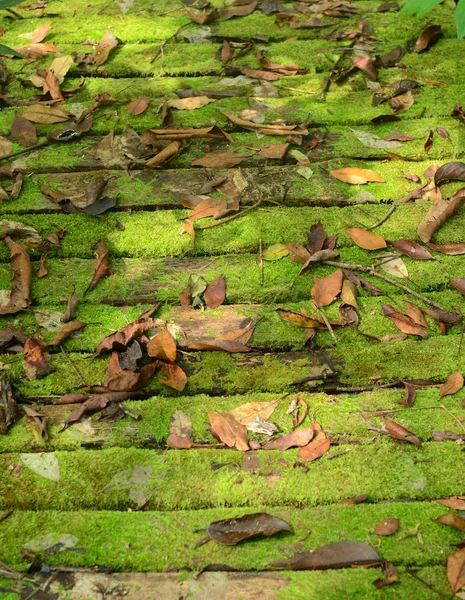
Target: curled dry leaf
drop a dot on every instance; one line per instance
(104, 47)
(387, 526)
(185, 133)
(398, 432)
(410, 395)
(438, 214)
(237, 11)
(39, 419)
(317, 446)
(67, 330)
(450, 248)
(231, 531)
(390, 575)
(137, 106)
(403, 321)
(227, 430)
(428, 37)
(120, 339)
(71, 306)
(339, 555)
(453, 520)
(455, 502)
(356, 176)
(412, 249)
(124, 380)
(175, 376)
(162, 346)
(21, 281)
(349, 294)
(245, 413)
(452, 385)
(318, 257)
(170, 151)
(366, 239)
(94, 403)
(325, 290)
(102, 267)
(215, 293)
(395, 267)
(453, 171)
(298, 437)
(268, 129)
(365, 64)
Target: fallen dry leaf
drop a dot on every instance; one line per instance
(452, 385)
(267, 129)
(137, 106)
(338, 555)
(168, 152)
(21, 282)
(231, 531)
(410, 395)
(454, 502)
(398, 432)
(185, 133)
(453, 520)
(215, 294)
(356, 176)
(365, 239)
(40, 33)
(175, 376)
(39, 419)
(387, 526)
(104, 47)
(438, 214)
(162, 346)
(402, 103)
(428, 37)
(39, 113)
(298, 437)
(412, 249)
(456, 570)
(219, 160)
(237, 11)
(121, 338)
(325, 290)
(118, 379)
(94, 403)
(65, 332)
(245, 413)
(24, 131)
(227, 430)
(102, 267)
(404, 322)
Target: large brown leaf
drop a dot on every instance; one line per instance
(400, 433)
(175, 376)
(245, 413)
(120, 339)
(162, 346)
(94, 403)
(404, 322)
(104, 47)
(102, 267)
(453, 171)
(428, 37)
(215, 293)
(65, 332)
(366, 240)
(387, 526)
(24, 131)
(325, 290)
(21, 281)
(180, 431)
(227, 430)
(123, 380)
(456, 570)
(298, 437)
(450, 248)
(453, 520)
(438, 214)
(452, 385)
(231, 531)
(39, 113)
(340, 555)
(412, 249)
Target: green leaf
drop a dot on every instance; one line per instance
(8, 3)
(420, 7)
(7, 50)
(460, 19)
(275, 252)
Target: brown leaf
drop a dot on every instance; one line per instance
(39, 113)
(412, 249)
(429, 141)
(438, 214)
(402, 103)
(120, 339)
(356, 176)
(71, 306)
(11, 340)
(299, 319)
(274, 151)
(297, 253)
(190, 103)
(338, 555)
(227, 430)
(398, 432)
(298, 437)
(219, 160)
(42, 271)
(289, 69)
(185, 133)
(40, 33)
(137, 106)
(175, 376)
(453, 171)
(318, 257)
(245, 413)
(257, 74)
(94, 403)
(21, 281)
(185, 298)
(399, 137)
(73, 398)
(456, 570)
(455, 502)
(410, 394)
(443, 133)
(215, 293)
(178, 442)
(387, 527)
(8, 407)
(459, 285)
(34, 354)
(67, 330)
(316, 238)
(231, 531)
(403, 321)
(24, 131)
(365, 64)
(390, 575)
(169, 152)
(452, 520)
(102, 267)
(123, 380)
(162, 346)
(267, 129)
(450, 248)
(452, 385)
(365, 239)
(104, 47)
(237, 11)
(201, 17)
(39, 419)
(212, 207)
(325, 290)
(428, 37)
(349, 294)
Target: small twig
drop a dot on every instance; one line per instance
(14, 13)
(327, 323)
(336, 65)
(25, 150)
(227, 219)
(162, 46)
(375, 273)
(453, 416)
(75, 369)
(337, 454)
(5, 515)
(309, 378)
(425, 583)
(365, 388)
(285, 87)
(384, 219)
(382, 411)
(262, 277)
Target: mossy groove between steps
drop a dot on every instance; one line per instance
(185, 479)
(344, 417)
(156, 541)
(156, 234)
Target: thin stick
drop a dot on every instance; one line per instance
(160, 51)
(396, 410)
(327, 323)
(25, 150)
(453, 416)
(384, 219)
(75, 369)
(375, 273)
(425, 583)
(285, 87)
(227, 219)
(365, 388)
(262, 276)
(328, 81)
(5, 515)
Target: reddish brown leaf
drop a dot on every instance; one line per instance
(39, 419)
(452, 520)
(404, 322)
(24, 131)
(185, 298)
(299, 319)
(453, 171)
(170, 151)
(298, 437)
(257, 74)
(42, 271)
(178, 442)
(452, 385)
(398, 432)
(459, 285)
(123, 380)
(267, 129)
(215, 293)
(21, 281)
(387, 527)
(290, 69)
(316, 238)
(454, 502)
(443, 133)
(137, 106)
(120, 339)
(219, 160)
(227, 430)
(356, 176)
(73, 398)
(428, 37)
(162, 346)
(201, 17)
(317, 447)
(429, 141)
(412, 249)
(410, 394)
(104, 47)
(399, 137)
(439, 213)
(237, 11)
(40, 33)
(175, 376)
(34, 354)
(456, 570)
(338, 555)
(365, 239)
(212, 207)
(325, 290)
(450, 248)
(67, 330)
(297, 253)
(102, 267)
(274, 151)
(365, 64)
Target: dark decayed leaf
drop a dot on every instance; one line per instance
(122, 380)
(452, 385)
(175, 376)
(298, 437)
(39, 419)
(232, 531)
(453, 171)
(94, 403)
(227, 430)
(387, 526)
(102, 267)
(130, 357)
(456, 570)
(428, 37)
(412, 249)
(215, 293)
(65, 332)
(450, 248)
(339, 555)
(316, 238)
(24, 131)
(410, 394)
(21, 281)
(121, 338)
(363, 283)
(398, 432)
(8, 407)
(439, 213)
(71, 306)
(390, 575)
(162, 346)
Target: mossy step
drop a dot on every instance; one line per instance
(339, 142)
(282, 184)
(156, 234)
(146, 281)
(191, 480)
(344, 417)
